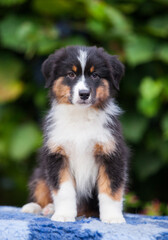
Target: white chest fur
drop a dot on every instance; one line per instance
(77, 130)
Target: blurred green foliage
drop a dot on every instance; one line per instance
(137, 31)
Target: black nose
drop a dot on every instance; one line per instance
(84, 94)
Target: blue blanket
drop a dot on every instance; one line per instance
(15, 225)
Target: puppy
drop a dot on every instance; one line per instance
(82, 167)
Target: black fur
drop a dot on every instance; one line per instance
(54, 163)
(116, 164)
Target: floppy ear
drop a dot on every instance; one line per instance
(117, 70)
(49, 66)
(47, 70)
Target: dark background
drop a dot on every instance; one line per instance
(137, 31)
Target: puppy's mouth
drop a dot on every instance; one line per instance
(81, 102)
(84, 102)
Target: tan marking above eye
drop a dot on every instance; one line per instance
(74, 68)
(92, 69)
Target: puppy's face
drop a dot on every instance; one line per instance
(82, 75)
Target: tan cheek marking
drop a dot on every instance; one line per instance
(92, 69)
(100, 149)
(42, 194)
(104, 186)
(102, 93)
(74, 68)
(62, 92)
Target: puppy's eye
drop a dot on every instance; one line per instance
(94, 75)
(71, 75)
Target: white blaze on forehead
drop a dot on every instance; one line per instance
(81, 84)
(82, 59)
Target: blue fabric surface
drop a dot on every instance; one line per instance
(15, 225)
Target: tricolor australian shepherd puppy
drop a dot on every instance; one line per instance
(82, 167)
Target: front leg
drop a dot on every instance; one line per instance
(110, 204)
(111, 179)
(62, 185)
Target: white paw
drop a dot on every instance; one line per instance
(62, 218)
(31, 208)
(48, 210)
(113, 219)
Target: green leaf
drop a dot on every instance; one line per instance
(2, 148)
(149, 101)
(164, 124)
(150, 89)
(149, 107)
(55, 8)
(40, 98)
(153, 140)
(28, 35)
(118, 20)
(162, 52)
(147, 165)
(97, 10)
(157, 143)
(106, 19)
(96, 27)
(134, 127)
(25, 140)
(164, 150)
(74, 40)
(128, 7)
(158, 26)
(11, 70)
(165, 87)
(11, 2)
(162, 2)
(139, 49)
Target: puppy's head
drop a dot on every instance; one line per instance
(85, 76)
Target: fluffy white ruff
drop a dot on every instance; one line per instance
(78, 130)
(110, 210)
